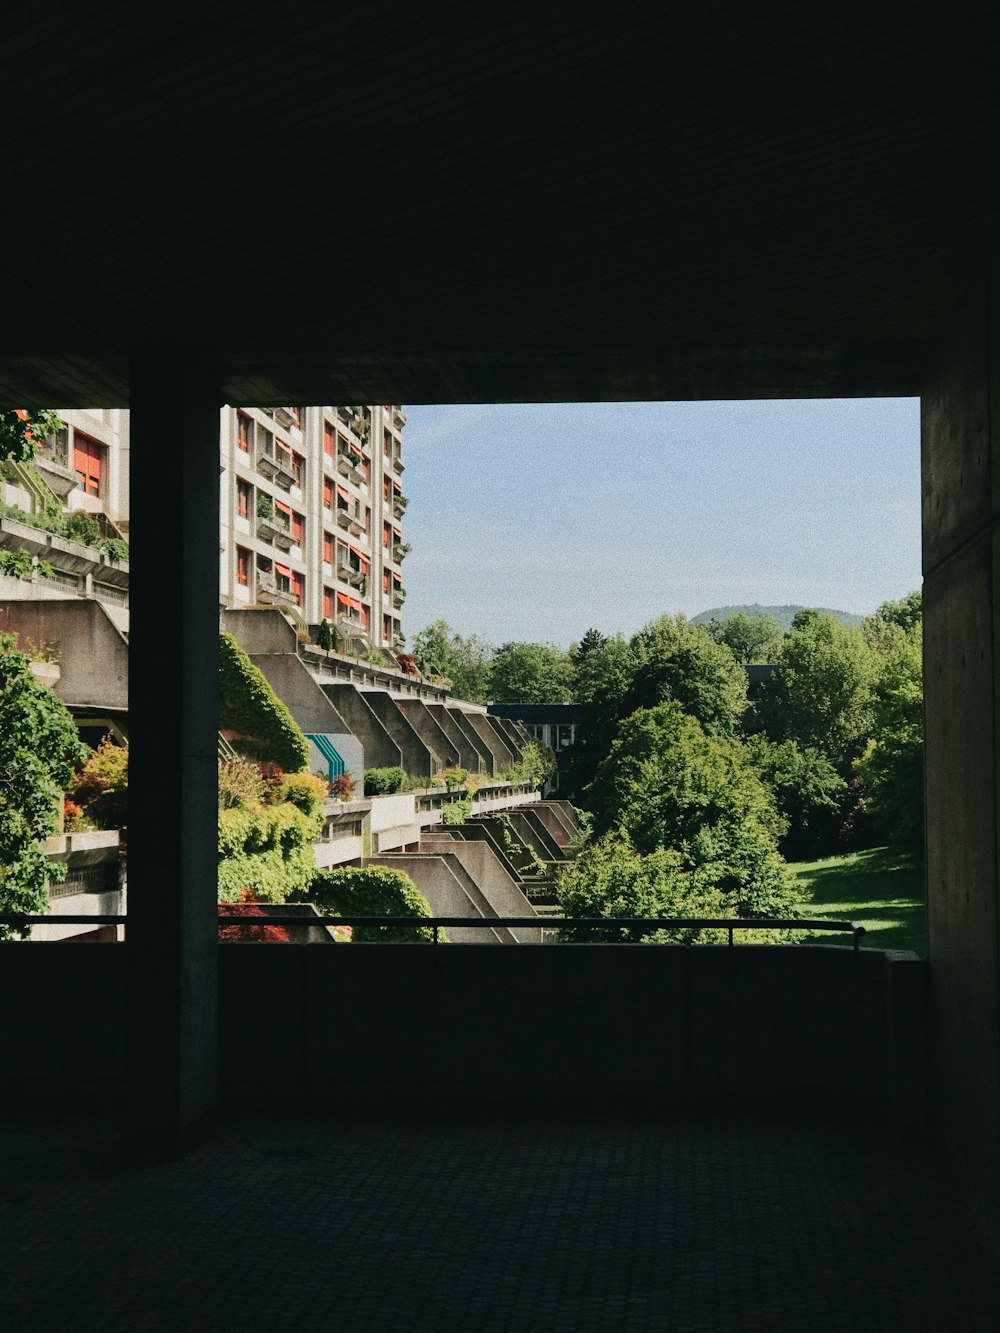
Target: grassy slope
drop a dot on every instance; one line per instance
(879, 888)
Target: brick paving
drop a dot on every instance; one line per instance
(552, 1224)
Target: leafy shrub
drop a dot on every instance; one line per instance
(261, 726)
(610, 879)
(372, 891)
(15, 564)
(265, 505)
(240, 784)
(117, 549)
(266, 852)
(343, 786)
(305, 791)
(456, 813)
(100, 789)
(326, 637)
(453, 776)
(383, 781)
(83, 528)
(245, 932)
(73, 817)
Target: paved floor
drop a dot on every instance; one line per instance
(706, 1225)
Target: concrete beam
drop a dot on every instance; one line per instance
(486, 762)
(468, 755)
(490, 737)
(92, 652)
(426, 726)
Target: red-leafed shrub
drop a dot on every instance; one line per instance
(245, 932)
(272, 775)
(343, 786)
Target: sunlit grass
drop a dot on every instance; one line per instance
(881, 889)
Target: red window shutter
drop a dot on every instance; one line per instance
(344, 493)
(298, 587)
(327, 493)
(283, 570)
(88, 460)
(285, 509)
(327, 548)
(364, 617)
(327, 604)
(297, 527)
(328, 434)
(243, 431)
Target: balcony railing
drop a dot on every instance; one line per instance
(398, 597)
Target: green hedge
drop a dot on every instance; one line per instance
(383, 781)
(247, 705)
(456, 813)
(268, 851)
(372, 891)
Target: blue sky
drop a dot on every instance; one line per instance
(535, 522)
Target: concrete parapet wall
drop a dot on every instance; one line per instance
(487, 760)
(259, 631)
(553, 816)
(503, 757)
(521, 1024)
(92, 651)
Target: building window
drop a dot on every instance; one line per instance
(386, 581)
(387, 443)
(327, 493)
(366, 469)
(285, 511)
(387, 628)
(242, 566)
(244, 498)
(88, 460)
(329, 435)
(298, 587)
(283, 577)
(387, 535)
(298, 469)
(328, 548)
(368, 520)
(298, 528)
(328, 603)
(244, 431)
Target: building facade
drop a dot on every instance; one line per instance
(311, 511)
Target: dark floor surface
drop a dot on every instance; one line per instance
(703, 1224)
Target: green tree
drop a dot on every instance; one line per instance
(749, 638)
(667, 784)
(672, 658)
(893, 764)
(465, 661)
(21, 432)
(907, 613)
(820, 692)
(610, 879)
(39, 747)
(809, 794)
(531, 673)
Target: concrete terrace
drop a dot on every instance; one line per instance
(396, 1223)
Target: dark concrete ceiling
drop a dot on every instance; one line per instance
(459, 203)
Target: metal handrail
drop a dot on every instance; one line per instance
(437, 923)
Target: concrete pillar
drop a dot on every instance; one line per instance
(173, 721)
(961, 505)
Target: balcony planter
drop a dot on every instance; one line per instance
(46, 673)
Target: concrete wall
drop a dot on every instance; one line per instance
(424, 724)
(503, 756)
(468, 755)
(380, 750)
(961, 504)
(418, 760)
(450, 891)
(486, 762)
(93, 653)
(495, 878)
(432, 1025)
(259, 631)
(555, 822)
(527, 824)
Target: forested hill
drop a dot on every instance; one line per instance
(782, 614)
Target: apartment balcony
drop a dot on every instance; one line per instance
(344, 520)
(271, 530)
(398, 418)
(355, 526)
(269, 594)
(399, 505)
(58, 477)
(350, 470)
(285, 416)
(398, 598)
(348, 574)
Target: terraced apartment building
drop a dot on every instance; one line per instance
(310, 516)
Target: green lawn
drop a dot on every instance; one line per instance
(880, 888)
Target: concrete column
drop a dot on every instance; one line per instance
(173, 720)
(961, 507)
